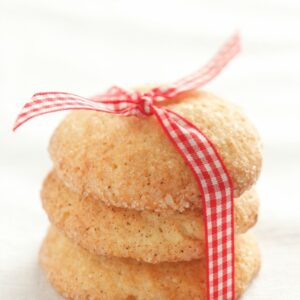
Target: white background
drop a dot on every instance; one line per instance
(86, 46)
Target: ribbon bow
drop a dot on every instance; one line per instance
(196, 149)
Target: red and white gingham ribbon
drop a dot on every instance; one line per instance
(199, 153)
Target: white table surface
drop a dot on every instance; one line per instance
(85, 46)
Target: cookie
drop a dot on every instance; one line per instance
(77, 274)
(143, 235)
(129, 162)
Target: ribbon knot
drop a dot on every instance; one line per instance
(146, 102)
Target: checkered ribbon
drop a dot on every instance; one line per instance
(196, 149)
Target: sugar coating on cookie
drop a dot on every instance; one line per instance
(77, 274)
(143, 235)
(129, 161)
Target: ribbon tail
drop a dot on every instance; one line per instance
(209, 71)
(48, 102)
(217, 198)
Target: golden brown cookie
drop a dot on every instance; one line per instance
(143, 235)
(129, 162)
(77, 274)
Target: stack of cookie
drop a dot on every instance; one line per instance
(126, 210)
